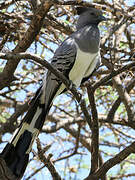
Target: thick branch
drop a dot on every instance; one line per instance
(7, 75)
(95, 131)
(112, 162)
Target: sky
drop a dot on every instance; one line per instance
(44, 174)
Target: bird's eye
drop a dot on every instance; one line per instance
(92, 13)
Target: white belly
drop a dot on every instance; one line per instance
(84, 65)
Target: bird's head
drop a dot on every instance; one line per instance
(89, 15)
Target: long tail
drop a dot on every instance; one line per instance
(16, 152)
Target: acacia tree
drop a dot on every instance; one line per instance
(89, 131)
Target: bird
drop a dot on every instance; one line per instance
(76, 58)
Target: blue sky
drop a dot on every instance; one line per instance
(44, 174)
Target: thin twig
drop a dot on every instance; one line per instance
(113, 74)
(47, 162)
(116, 104)
(124, 97)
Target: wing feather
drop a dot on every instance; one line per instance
(63, 60)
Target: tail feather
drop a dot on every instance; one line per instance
(16, 157)
(16, 152)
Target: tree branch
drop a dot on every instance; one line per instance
(47, 162)
(7, 75)
(95, 131)
(124, 97)
(112, 162)
(113, 74)
(116, 104)
(57, 73)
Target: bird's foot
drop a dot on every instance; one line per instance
(72, 85)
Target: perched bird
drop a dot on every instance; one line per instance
(77, 57)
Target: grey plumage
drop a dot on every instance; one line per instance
(85, 40)
(76, 58)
